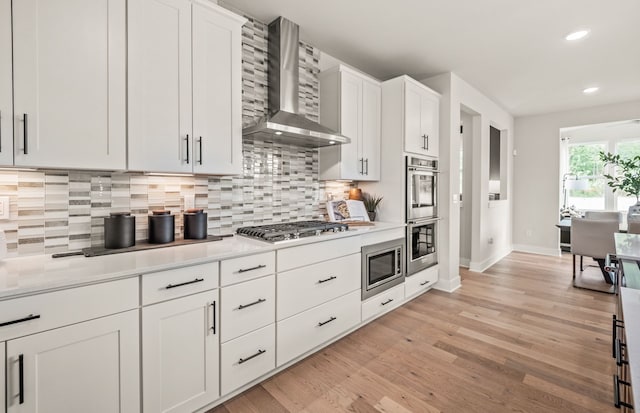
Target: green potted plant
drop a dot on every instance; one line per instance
(627, 179)
(371, 203)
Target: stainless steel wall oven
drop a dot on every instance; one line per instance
(382, 266)
(422, 188)
(422, 239)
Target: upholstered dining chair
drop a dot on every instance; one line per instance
(633, 227)
(617, 215)
(593, 238)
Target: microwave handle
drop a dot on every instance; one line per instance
(398, 262)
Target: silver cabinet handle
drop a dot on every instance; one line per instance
(20, 320)
(25, 135)
(333, 277)
(197, 280)
(257, 267)
(200, 145)
(187, 139)
(258, 301)
(320, 324)
(387, 302)
(259, 353)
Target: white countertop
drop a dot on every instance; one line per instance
(631, 308)
(35, 274)
(627, 245)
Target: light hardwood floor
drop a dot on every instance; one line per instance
(517, 338)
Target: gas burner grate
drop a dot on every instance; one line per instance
(291, 230)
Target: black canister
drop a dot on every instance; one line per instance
(195, 224)
(161, 227)
(119, 230)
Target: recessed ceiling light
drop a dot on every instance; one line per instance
(332, 142)
(278, 133)
(590, 90)
(577, 35)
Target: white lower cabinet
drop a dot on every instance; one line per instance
(92, 366)
(180, 359)
(309, 286)
(3, 357)
(311, 328)
(420, 282)
(383, 302)
(248, 357)
(247, 306)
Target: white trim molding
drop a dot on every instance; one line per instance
(534, 249)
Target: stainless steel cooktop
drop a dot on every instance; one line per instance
(291, 230)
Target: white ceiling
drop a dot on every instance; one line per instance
(512, 50)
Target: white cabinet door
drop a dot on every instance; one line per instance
(352, 163)
(421, 128)
(180, 353)
(370, 143)
(3, 358)
(413, 140)
(88, 367)
(217, 91)
(429, 121)
(6, 86)
(69, 83)
(160, 122)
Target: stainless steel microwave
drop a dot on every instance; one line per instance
(382, 266)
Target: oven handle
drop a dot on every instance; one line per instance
(422, 221)
(421, 169)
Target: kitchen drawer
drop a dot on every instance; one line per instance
(179, 282)
(247, 306)
(295, 257)
(247, 268)
(420, 282)
(312, 328)
(45, 311)
(383, 302)
(248, 357)
(307, 287)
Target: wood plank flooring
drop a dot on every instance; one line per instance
(517, 338)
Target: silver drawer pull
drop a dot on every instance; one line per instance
(21, 320)
(387, 302)
(425, 283)
(333, 277)
(320, 324)
(197, 280)
(259, 353)
(258, 301)
(257, 267)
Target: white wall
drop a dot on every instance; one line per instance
(537, 170)
(467, 200)
(490, 221)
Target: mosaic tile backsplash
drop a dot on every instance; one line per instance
(58, 211)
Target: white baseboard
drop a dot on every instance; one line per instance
(534, 249)
(464, 262)
(449, 285)
(483, 265)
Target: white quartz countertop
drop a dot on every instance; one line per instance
(34, 274)
(627, 245)
(631, 308)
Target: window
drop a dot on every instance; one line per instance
(585, 164)
(582, 172)
(627, 149)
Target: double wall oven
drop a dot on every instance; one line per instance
(422, 213)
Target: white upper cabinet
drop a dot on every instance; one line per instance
(421, 119)
(160, 86)
(6, 93)
(217, 91)
(350, 104)
(185, 87)
(69, 71)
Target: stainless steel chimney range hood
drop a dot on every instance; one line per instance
(283, 122)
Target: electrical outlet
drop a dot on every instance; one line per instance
(528, 233)
(4, 207)
(490, 241)
(189, 201)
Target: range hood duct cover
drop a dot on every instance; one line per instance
(284, 123)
